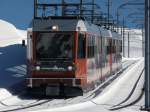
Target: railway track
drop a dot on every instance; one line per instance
(85, 97)
(122, 103)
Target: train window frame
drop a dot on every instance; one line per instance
(60, 32)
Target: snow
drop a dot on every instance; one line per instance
(12, 57)
(129, 59)
(22, 33)
(9, 34)
(4, 94)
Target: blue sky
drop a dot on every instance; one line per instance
(20, 12)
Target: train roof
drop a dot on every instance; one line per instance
(64, 24)
(72, 24)
(116, 35)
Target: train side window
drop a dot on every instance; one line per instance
(114, 46)
(120, 46)
(96, 46)
(81, 46)
(99, 45)
(108, 46)
(91, 46)
(108, 49)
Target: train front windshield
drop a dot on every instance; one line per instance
(53, 46)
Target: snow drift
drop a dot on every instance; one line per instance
(9, 34)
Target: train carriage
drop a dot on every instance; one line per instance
(67, 55)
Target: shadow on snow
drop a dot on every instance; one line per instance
(12, 65)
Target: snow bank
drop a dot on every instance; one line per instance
(7, 98)
(9, 34)
(128, 59)
(4, 94)
(22, 33)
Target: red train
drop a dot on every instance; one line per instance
(66, 54)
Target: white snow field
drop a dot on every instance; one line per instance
(13, 70)
(12, 57)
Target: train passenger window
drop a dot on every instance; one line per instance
(99, 45)
(81, 46)
(120, 46)
(108, 49)
(108, 46)
(91, 46)
(114, 46)
(96, 46)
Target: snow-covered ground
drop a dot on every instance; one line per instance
(13, 70)
(12, 57)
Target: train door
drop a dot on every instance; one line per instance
(29, 51)
(81, 71)
(92, 60)
(113, 53)
(103, 58)
(97, 50)
(120, 54)
(117, 54)
(109, 56)
(99, 56)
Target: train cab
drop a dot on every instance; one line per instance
(57, 53)
(69, 54)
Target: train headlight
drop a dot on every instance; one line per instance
(38, 68)
(55, 28)
(70, 68)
